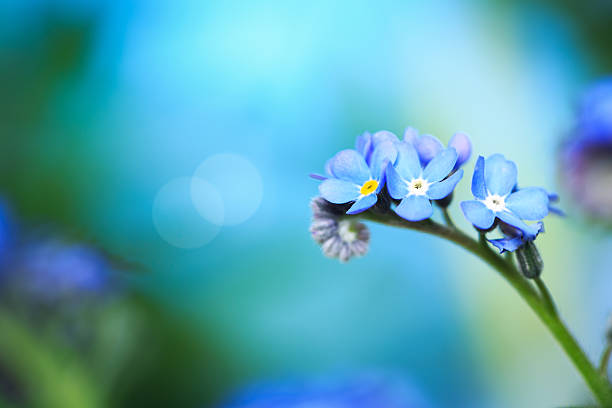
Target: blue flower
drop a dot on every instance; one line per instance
(429, 146)
(492, 184)
(514, 238)
(363, 391)
(366, 143)
(353, 178)
(51, 270)
(416, 186)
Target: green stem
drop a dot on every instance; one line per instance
(546, 296)
(605, 359)
(598, 384)
(447, 218)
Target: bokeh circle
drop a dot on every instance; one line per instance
(175, 216)
(238, 182)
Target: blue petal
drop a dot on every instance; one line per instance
(529, 203)
(445, 187)
(363, 204)
(441, 165)
(414, 208)
(349, 165)
(428, 147)
(463, 146)
(478, 181)
(478, 214)
(385, 152)
(396, 184)
(500, 175)
(530, 231)
(408, 164)
(328, 169)
(364, 144)
(411, 135)
(317, 176)
(339, 191)
(509, 244)
(383, 136)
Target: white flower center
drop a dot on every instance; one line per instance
(347, 232)
(418, 186)
(495, 202)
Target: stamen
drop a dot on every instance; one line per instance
(369, 187)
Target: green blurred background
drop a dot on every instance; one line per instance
(109, 107)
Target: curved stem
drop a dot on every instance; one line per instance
(605, 359)
(546, 296)
(598, 384)
(447, 218)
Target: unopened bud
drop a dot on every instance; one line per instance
(529, 260)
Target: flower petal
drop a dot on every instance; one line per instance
(529, 231)
(396, 184)
(441, 165)
(408, 164)
(363, 204)
(509, 244)
(529, 203)
(364, 143)
(414, 208)
(445, 187)
(339, 191)
(478, 181)
(463, 146)
(383, 136)
(349, 165)
(385, 152)
(317, 176)
(411, 135)
(478, 214)
(428, 147)
(500, 174)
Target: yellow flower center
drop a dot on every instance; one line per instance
(369, 187)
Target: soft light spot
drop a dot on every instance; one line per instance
(238, 182)
(176, 219)
(369, 187)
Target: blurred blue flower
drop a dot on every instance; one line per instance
(416, 186)
(361, 392)
(429, 146)
(51, 270)
(352, 178)
(586, 156)
(492, 185)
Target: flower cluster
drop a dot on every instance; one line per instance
(407, 176)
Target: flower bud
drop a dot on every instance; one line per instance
(428, 147)
(463, 146)
(529, 260)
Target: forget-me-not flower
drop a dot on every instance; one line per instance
(351, 178)
(514, 238)
(416, 186)
(492, 184)
(428, 146)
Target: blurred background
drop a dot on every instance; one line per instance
(124, 283)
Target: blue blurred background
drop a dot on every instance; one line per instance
(128, 285)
